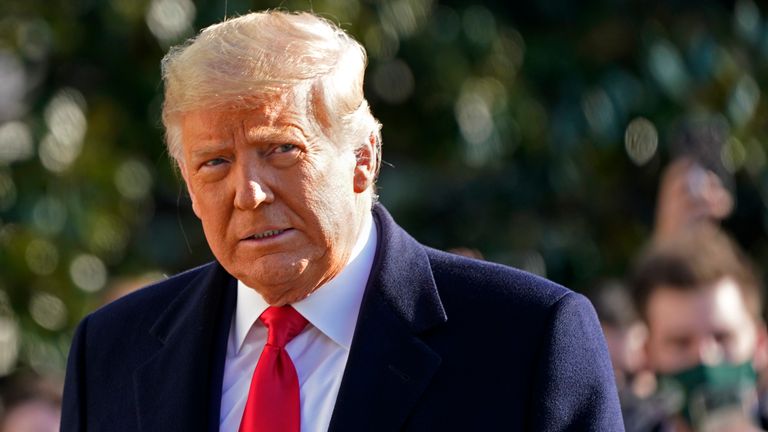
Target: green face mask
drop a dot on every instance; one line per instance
(698, 392)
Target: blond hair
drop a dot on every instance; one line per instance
(246, 61)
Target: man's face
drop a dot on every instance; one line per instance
(281, 206)
(700, 326)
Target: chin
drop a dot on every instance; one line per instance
(278, 281)
(270, 270)
(283, 298)
(277, 291)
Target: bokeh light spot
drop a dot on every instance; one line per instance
(15, 142)
(13, 85)
(8, 233)
(599, 111)
(107, 235)
(56, 156)
(507, 54)
(88, 273)
(48, 311)
(474, 118)
(733, 154)
(641, 140)
(404, 17)
(479, 25)
(743, 101)
(42, 257)
(170, 20)
(746, 18)
(393, 82)
(381, 44)
(133, 179)
(9, 335)
(474, 114)
(34, 38)
(65, 118)
(668, 69)
(41, 355)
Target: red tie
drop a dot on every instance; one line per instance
(273, 400)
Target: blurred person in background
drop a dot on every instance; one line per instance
(467, 252)
(122, 286)
(626, 334)
(689, 195)
(702, 302)
(694, 187)
(624, 331)
(29, 403)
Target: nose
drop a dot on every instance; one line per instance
(710, 351)
(251, 190)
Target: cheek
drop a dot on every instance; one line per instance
(213, 207)
(744, 345)
(328, 196)
(654, 351)
(665, 357)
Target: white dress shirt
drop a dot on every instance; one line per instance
(319, 352)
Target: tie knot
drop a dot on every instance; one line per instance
(283, 324)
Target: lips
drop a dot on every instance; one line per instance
(266, 234)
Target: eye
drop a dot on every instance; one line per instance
(285, 148)
(681, 343)
(285, 155)
(723, 338)
(214, 162)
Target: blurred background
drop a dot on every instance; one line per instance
(535, 134)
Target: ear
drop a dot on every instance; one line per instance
(185, 176)
(365, 165)
(647, 362)
(760, 359)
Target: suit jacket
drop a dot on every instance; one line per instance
(442, 343)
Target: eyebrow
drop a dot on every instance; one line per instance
(274, 134)
(256, 134)
(209, 149)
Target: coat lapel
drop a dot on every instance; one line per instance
(389, 366)
(177, 388)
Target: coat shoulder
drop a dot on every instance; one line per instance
(541, 344)
(482, 281)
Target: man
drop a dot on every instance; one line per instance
(30, 403)
(320, 313)
(625, 335)
(702, 303)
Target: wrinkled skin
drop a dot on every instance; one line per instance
(280, 204)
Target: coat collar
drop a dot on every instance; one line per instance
(389, 366)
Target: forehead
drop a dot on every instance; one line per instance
(276, 112)
(717, 307)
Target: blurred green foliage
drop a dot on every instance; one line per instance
(533, 133)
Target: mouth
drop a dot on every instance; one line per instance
(267, 234)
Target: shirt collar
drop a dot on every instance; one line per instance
(333, 308)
